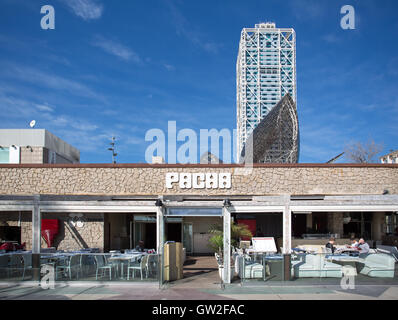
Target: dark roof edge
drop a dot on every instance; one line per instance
(154, 166)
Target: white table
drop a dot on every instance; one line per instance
(346, 260)
(123, 258)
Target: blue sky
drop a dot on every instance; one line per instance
(123, 67)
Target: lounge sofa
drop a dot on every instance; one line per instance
(379, 265)
(315, 266)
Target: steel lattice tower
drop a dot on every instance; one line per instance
(266, 72)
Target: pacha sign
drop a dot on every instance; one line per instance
(199, 180)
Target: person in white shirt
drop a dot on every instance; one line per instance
(354, 243)
(363, 247)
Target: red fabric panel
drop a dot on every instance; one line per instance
(251, 223)
(49, 230)
(8, 246)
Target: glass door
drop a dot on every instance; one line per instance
(188, 237)
(138, 233)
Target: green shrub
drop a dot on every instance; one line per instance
(238, 231)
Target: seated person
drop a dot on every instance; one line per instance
(363, 247)
(354, 243)
(330, 245)
(140, 247)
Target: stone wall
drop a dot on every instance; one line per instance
(69, 238)
(90, 235)
(13, 219)
(150, 180)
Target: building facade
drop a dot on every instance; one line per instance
(117, 205)
(35, 146)
(266, 72)
(392, 157)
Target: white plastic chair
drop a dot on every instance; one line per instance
(73, 264)
(15, 264)
(141, 266)
(27, 264)
(103, 266)
(4, 264)
(152, 263)
(115, 263)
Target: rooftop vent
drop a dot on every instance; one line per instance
(266, 25)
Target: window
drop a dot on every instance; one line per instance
(269, 70)
(4, 155)
(391, 223)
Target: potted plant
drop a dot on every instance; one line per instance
(216, 241)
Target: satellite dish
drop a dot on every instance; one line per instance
(32, 123)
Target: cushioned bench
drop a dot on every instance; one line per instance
(379, 265)
(315, 266)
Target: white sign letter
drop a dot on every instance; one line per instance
(224, 181)
(198, 184)
(185, 181)
(171, 177)
(211, 181)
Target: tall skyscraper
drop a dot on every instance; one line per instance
(265, 73)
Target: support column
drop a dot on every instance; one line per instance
(378, 223)
(36, 238)
(160, 239)
(160, 230)
(227, 244)
(287, 239)
(287, 227)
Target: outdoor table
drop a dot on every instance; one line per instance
(125, 258)
(56, 258)
(275, 263)
(346, 250)
(345, 260)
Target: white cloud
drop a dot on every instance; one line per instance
(69, 122)
(48, 80)
(45, 108)
(16, 108)
(85, 9)
(331, 38)
(169, 67)
(307, 9)
(116, 49)
(135, 140)
(184, 28)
